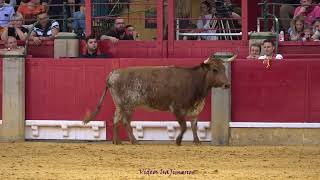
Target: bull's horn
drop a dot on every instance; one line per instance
(229, 59)
(224, 56)
(206, 61)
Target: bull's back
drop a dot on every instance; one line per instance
(156, 87)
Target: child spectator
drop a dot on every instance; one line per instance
(11, 45)
(131, 32)
(316, 29)
(307, 33)
(296, 29)
(92, 48)
(15, 28)
(255, 50)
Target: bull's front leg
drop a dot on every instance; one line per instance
(183, 128)
(194, 127)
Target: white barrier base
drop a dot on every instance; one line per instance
(64, 129)
(168, 130)
(143, 130)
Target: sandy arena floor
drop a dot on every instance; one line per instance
(52, 160)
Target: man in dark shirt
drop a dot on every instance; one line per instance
(92, 48)
(118, 32)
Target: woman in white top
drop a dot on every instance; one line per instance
(205, 21)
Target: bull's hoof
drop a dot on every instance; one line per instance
(116, 142)
(135, 142)
(178, 141)
(85, 122)
(197, 143)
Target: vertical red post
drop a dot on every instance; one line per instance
(244, 16)
(160, 20)
(171, 20)
(88, 11)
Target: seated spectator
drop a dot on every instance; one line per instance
(15, 29)
(30, 10)
(131, 32)
(11, 45)
(46, 29)
(308, 10)
(296, 29)
(92, 48)
(307, 33)
(6, 12)
(117, 33)
(316, 28)
(269, 47)
(255, 50)
(204, 22)
(79, 22)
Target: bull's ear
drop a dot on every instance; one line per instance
(205, 66)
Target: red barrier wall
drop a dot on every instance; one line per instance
(64, 89)
(287, 92)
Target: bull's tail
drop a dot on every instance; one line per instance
(91, 115)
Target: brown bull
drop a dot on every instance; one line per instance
(181, 91)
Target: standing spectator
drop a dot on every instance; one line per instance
(309, 10)
(269, 47)
(92, 48)
(30, 10)
(79, 22)
(205, 21)
(15, 28)
(255, 50)
(118, 32)
(6, 12)
(46, 29)
(296, 29)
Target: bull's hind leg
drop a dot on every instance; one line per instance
(116, 119)
(194, 128)
(127, 123)
(183, 128)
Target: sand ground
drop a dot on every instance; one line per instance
(91, 160)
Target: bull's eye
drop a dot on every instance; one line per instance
(215, 70)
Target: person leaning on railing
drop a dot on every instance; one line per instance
(45, 29)
(92, 49)
(118, 32)
(15, 28)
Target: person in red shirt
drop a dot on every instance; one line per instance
(309, 10)
(30, 10)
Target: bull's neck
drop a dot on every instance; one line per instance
(201, 85)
